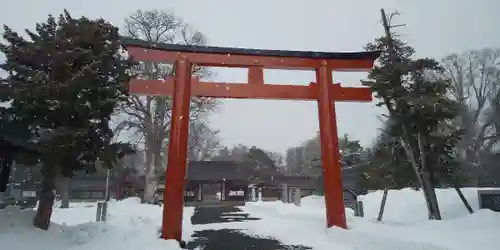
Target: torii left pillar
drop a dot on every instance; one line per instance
(178, 146)
(332, 178)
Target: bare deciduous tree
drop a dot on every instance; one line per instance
(203, 141)
(475, 77)
(148, 117)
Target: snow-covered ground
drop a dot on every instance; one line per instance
(132, 226)
(404, 226)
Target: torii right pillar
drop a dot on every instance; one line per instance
(332, 170)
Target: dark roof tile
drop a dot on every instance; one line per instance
(218, 170)
(372, 55)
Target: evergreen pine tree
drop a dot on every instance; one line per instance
(65, 82)
(420, 112)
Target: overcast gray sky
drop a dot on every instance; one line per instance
(434, 28)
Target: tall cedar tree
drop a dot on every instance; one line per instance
(65, 82)
(418, 105)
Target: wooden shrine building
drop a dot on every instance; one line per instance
(215, 181)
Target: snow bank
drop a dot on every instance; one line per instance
(405, 202)
(404, 226)
(405, 206)
(311, 206)
(130, 225)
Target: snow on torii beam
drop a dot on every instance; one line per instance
(182, 87)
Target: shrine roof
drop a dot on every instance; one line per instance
(217, 170)
(366, 55)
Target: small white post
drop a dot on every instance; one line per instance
(260, 194)
(297, 197)
(284, 193)
(98, 215)
(223, 191)
(254, 194)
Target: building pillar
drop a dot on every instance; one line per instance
(284, 193)
(199, 192)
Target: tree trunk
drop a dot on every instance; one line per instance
(46, 199)
(382, 204)
(5, 169)
(150, 190)
(414, 164)
(430, 192)
(62, 187)
(151, 180)
(428, 187)
(154, 140)
(464, 200)
(424, 183)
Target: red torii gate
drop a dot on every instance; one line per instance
(182, 87)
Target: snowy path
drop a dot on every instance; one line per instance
(228, 239)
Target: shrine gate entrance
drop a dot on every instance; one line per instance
(182, 86)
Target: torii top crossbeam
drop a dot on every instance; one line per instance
(255, 60)
(240, 57)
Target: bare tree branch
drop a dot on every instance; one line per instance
(150, 116)
(475, 77)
